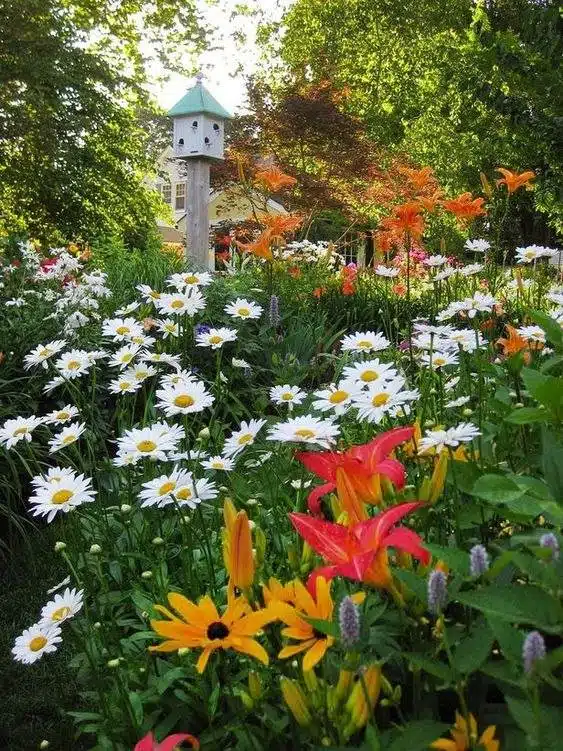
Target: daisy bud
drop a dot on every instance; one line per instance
(97, 625)
(183, 651)
(518, 405)
(224, 489)
(95, 549)
(429, 423)
(158, 541)
(60, 546)
(251, 502)
(44, 744)
(113, 663)
(467, 412)
(548, 540)
(533, 650)
(204, 434)
(437, 591)
(146, 575)
(125, 508)
(478, 560)
(349, 620)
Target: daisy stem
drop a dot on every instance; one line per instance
(455, 500)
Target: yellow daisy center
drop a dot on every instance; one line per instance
(305, 433)
(154, 295)
(337, 397)
(287, 396)
(61, 496)
(124, 385)
(167, 487)
(184, 400)
(176, 304)
(243, 312)
(529, 254)
(37, 643)
(21, 431)
(63, 415)
(190, 279)
(364, 344)
(215, 339)
(68, 439)
(217, 465)
(61, 613)
(184, 494)
(137, 339)
(44, 352)
(122, 330)
(369, 375)
(439, 361)
(380, 399)
(245, 438)
(73, 365)
(146, 447)
(127, 357)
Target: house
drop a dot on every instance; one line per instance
(228, 205)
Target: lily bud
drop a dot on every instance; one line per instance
(255, 685)
(362, 700)
(296, 701)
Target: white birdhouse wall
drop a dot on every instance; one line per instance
(198, 135)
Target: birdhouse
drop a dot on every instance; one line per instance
(199, 124)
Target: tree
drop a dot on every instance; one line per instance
(77, 128)
(462, 85)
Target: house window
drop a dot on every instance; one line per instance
(166, 192)
(180, 196)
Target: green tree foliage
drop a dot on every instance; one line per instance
(78, 130)
(463, 85)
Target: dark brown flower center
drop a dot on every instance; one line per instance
(217, 630)
(318, 634)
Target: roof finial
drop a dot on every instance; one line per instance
(199, 78)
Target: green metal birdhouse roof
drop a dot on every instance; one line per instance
(196, 100)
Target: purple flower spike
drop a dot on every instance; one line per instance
(479, 560)
(437, 591)
(274, 311)
(533, 650)
(349, 619)
(548, 540)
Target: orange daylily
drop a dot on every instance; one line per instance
(465, 207)
(464, 737)
(406, 220)
(273, 178)
(237, 547)
(280, 224)
(513, 180)
(259, 247)
(513, 343)
(419, 178)
(430, 202)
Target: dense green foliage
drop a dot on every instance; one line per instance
(462, 86)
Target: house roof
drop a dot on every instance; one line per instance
(196, 100)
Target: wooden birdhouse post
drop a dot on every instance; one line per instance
(199, 138)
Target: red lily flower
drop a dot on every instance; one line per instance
(359, 552)
(148, 743)
(361, 465)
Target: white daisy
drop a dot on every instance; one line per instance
(438, 359)
(181, 303)
(190, 494)
(471, 269)
(459, 402)
(369, 371)
(121, 329)
(148, 293)
(477, 246)
(239, 363)
(128, 309)
(222, 463)
(465, 432)
(467, 340)
(125, 355)
(242, 437)
(40, 354)
(367, 341)
(125, 384)
(183, 398)
(53, 496)
(62, 607)
(60, 416)
(336, 398)
(305, 429)
(162, 358)
(168, 327)
(288, 395)
(140, 372)
(15, 302)
(160, 491)
(18, 429)
(152, 442)
(215, 338)
(532, 333)
(73, 364)
(382, 398)
(533, 252)
(144, 340)
(434, 261)
(243, 309)
(69, 434)
(35, 642)
(446, 272)
(387, 271)
(179, 376)
(61, 584)
(189, 279)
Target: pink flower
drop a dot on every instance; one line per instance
(148, 743)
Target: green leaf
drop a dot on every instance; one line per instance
(509, 638)
(457, 560)
(137, 706)
(552, 463)
(432, 666)
(503, 673)
(496, 489)
(415, 583)
(528, 415)
(547, 390)
(325, 627)
(473, 650)
(171, 676)
(416, 736)
(552, 329)
(517, 604)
